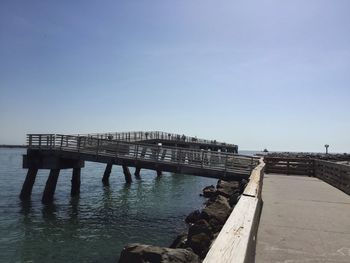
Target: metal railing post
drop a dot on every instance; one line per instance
(50, 141)
(202, 158)
(158, 151)
(137, 151)
(179, 155)
(78, 143)
(116, 150)
(226, 164)
(97, 148)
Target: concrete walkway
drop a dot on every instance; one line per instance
(303, 220)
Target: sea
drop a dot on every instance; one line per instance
(95, 226)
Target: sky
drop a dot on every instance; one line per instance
(261, 74)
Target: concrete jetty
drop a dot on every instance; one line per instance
(303, 220)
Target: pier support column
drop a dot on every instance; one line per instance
(159, 173)
(28, 184)
(127, 174)
(137, 172)
(50, 186)
(75, 190)
(106, 174)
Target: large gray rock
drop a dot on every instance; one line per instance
(218, 208)
(200, 244)
(201, 226)
(180, 241)
(215, 225)
(199, 238)
(139, 253)
(228, 188)
(209, 191)
(193, 217)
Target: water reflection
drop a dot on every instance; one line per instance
(95, 226)
(49, 212)
(25, 207)
(73, 208)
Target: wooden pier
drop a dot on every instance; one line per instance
(153, 151)
(166, 139)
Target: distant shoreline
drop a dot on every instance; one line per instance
(12, 146)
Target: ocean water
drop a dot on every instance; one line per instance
(95, 226)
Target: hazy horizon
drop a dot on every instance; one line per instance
(260, 74)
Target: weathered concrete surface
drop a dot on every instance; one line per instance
(303, 220)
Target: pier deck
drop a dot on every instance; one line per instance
(303, 220)
(159, 152)
(166, 139)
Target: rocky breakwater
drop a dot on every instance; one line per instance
(204, 227)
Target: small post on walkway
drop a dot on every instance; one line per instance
(50, 186)
(127, 174)
(28, 184)
(137, 172)
(106, 174)
(75, 190)
(159, 173)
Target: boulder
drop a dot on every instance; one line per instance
(139, 253)
(209, 191)
(200, 244)
(201, 226)
(219, 208)
(180, 241)
(215, 225)
(193, 217)
(233, 200)
(228, 188)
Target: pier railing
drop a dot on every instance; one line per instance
(153, 135)
(288, 165)
(335, 174)
(236, 241)
(220, 161)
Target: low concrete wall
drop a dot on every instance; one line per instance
(237, 239)
(333, 173)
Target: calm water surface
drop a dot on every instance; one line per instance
(94, 227)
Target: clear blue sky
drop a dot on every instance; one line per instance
(271, 74)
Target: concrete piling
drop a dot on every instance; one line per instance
(75, 190)
(127, 174)
(137, 172)
(28, 184)
(106, 174)
(50, 186)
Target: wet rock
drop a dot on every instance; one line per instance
(180, 241)
(227, 188)
(233, 200)
(193, 217)
(138, 253)
(201, 226)
(215, 225)
(200, 244)
(219, 208)
(209, 191)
